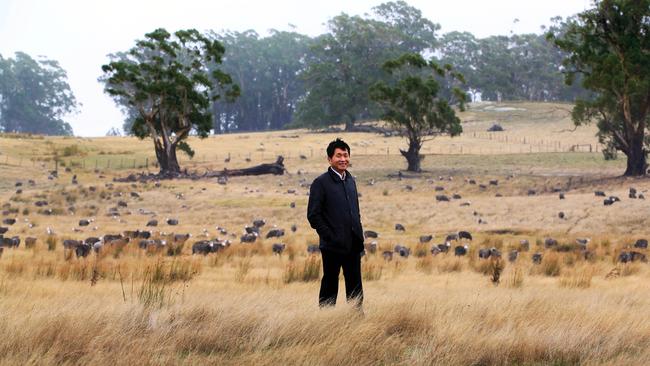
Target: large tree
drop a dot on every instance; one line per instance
(609, 46)
(168, 80)
(34, 96)
(347, 60)
(416, 105)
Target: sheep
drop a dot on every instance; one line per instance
(425, 238)
(537, 258)
(461, 250)
(275, 233)
(278, 248)
(512, 256)
(400, 227)
(370, 234)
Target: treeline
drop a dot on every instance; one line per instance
(34, 96)
(289, 79)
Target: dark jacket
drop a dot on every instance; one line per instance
(333, 211)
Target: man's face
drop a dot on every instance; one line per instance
(340, 160)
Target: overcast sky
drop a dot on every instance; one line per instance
(80, 33)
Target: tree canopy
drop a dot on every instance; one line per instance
(415, 103)
(34, 96)
(609, 46)
(170, 80)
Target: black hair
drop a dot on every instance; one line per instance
(337, 144)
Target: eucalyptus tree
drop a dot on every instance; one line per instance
(347, 60)
(165, 78)
(609, 46)
(34, 96)
(415, 105)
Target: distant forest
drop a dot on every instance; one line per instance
(289, 79)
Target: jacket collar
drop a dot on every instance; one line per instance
(336, 176)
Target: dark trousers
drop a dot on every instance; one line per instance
(329, 286)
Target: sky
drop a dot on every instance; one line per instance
(80, 33)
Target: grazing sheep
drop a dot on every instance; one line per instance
(435, 250)
(82, 250)
(294, 228)
(561, 196)
(181, 238)
(494, 182)
(252, 230)
(278, 248)
(313, 249)
(461, 250)
(627, 257)
(3, 230)
(524, 245)
(550, 243)
(9, 221)
(450, 237)
(561, 215)
(71, 244)
(608, 202)
(203, 247)
(532, 192)
(484, 253)
(275, 233)
(512, 256)
(456, 196)
(400, 227)
(370, 234)
(583, 242)
(442, 198)
(641, 243)
(464, 235)
(426, 238)
(372, 247)
(537, 258)
(172, 222)
(600, 194)
(403, 251)
(259, 223)
(444, 248)
(387, 255)
(248, 237)
(84, 222)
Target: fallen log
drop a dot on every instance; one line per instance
(276, 168)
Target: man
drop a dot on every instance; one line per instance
(333, 211)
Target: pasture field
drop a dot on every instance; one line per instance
(246, 305)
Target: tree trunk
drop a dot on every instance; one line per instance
(636, 159)
(349, 124)
(413, 157)
(167, 160)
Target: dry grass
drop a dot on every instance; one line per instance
(245, 305)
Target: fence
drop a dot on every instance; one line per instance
(498, 143)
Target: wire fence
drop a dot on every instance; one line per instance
(487, 143)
